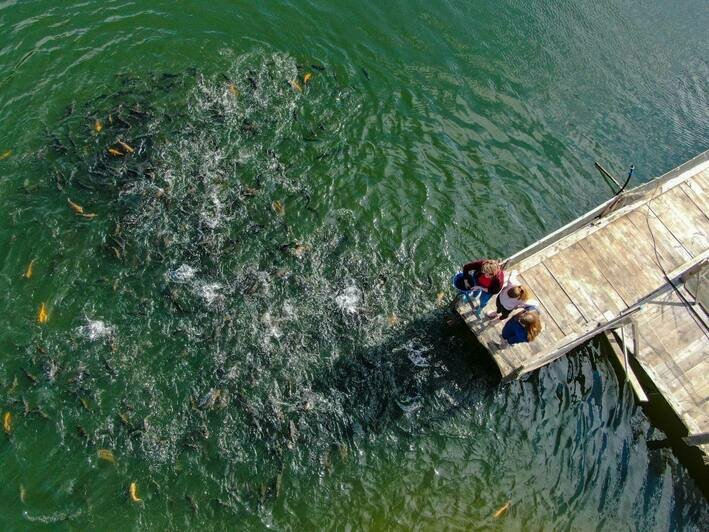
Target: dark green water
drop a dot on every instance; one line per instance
(251, 368)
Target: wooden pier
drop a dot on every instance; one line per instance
(636, 265)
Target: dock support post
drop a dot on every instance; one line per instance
(625, 350)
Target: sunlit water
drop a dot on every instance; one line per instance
(252, 322)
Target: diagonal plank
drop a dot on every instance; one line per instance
(672, 253)
(619, 266)
(563, 311)
(697, 194)
(584, 284)
(683, 218)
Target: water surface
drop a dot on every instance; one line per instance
(252, 323)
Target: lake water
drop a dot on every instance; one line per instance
(254, 324)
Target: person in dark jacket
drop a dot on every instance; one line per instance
(485, 275)
(522, 327)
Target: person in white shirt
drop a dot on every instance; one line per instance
(513, 295)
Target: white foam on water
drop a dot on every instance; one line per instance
(183, 274)
(349, 299)
(209, 292)
(416, 353)
(95, 329)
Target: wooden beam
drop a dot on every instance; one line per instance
(630, 376)
(642, 194)
(697, 439)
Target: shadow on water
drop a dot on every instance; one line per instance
(422, 360)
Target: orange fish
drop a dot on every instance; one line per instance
(296, 86)
(115, 152)
(98, 126)
(233, 90)
(126, 147)
(279, 208)
(42, 314)
(502, 510)
(28, 271)
(133, 492)
(107, 455)
(4, 155)
(78, 209)
(307, 77)
(7, 422)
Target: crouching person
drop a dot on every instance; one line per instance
(523, 327)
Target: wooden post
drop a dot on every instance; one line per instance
(625, 351)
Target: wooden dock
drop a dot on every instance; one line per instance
(636, 264)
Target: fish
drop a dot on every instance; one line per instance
(296, 86)
(440, 296)
(7, 422)
(81, 431)
(124, 419)
(278, 207)
(4, 155)
(115, 152)
(98, 126)
(107, 455)
(85, 404)
(192, 503)
(392, 320)
(51, 370)
(23, 494)
(13, 386)
(307, 77)
(29, 376)
(126, 147)
(364, 71)
(502, 510)
(233, 90)
(88, 215)
(42, 314)
(78, 209)
(133, 492)
(26, 405)
(28, 271)
(319, 68)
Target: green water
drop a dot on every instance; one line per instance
(250, 322)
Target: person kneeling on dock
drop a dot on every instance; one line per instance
(513, 296)
(484, 275)
(522, 327)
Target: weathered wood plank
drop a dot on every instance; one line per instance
(672, 253)
(570, 269)
(604, 294)
(552, 296)
(617, 351)
(698, 195)
(702, 179)
(683, 218)
(637, 252)
(629, 280)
